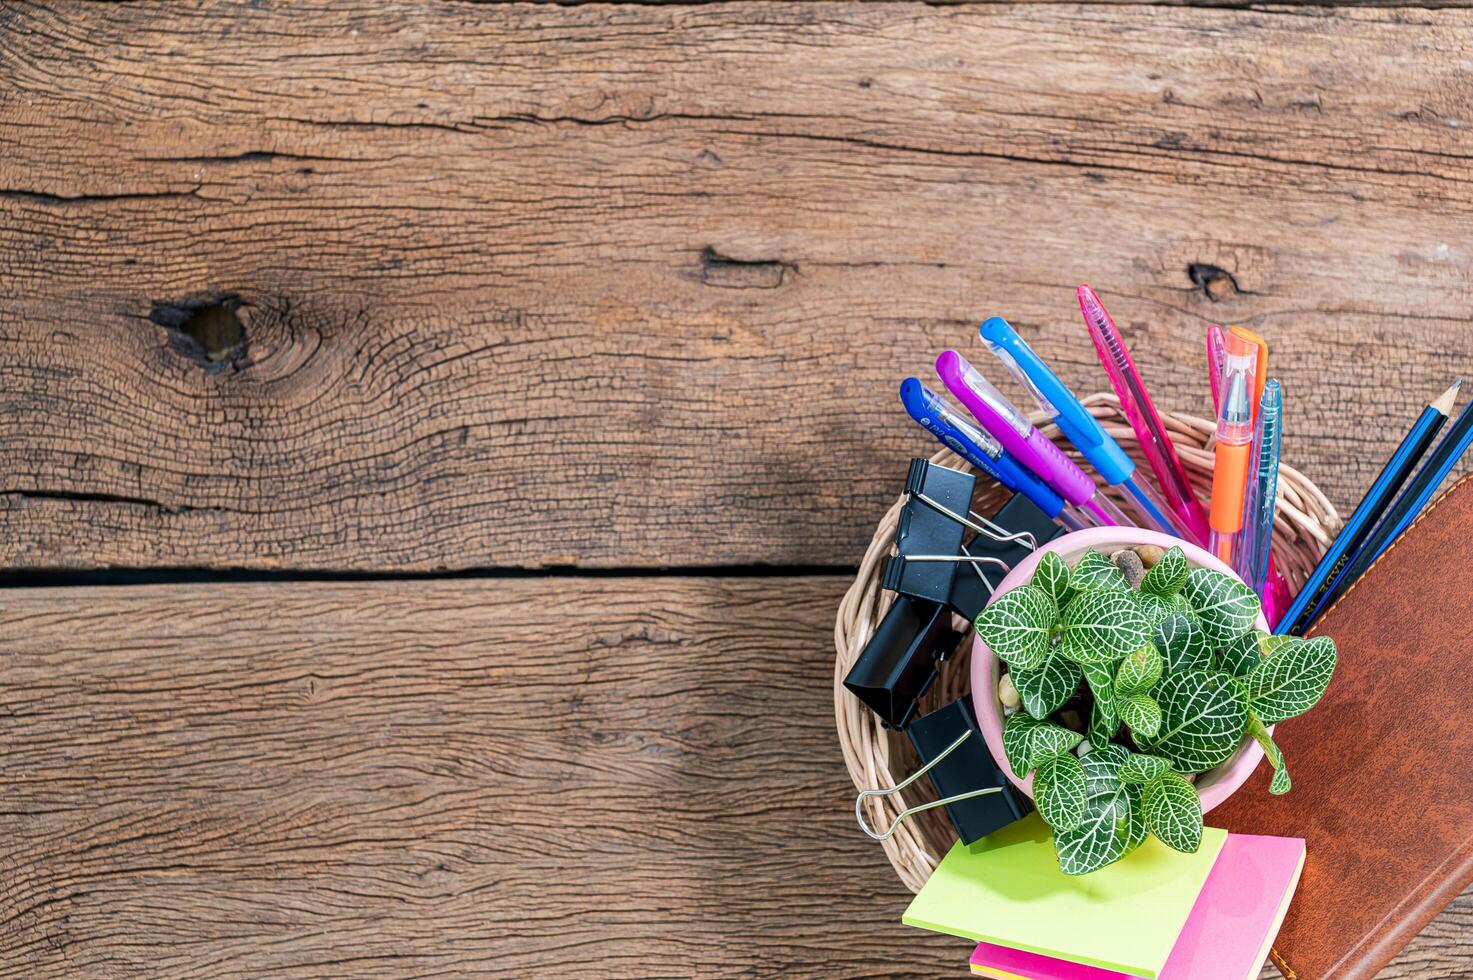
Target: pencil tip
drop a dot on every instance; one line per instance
(1445, 403)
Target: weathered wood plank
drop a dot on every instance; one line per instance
(531, 285)
(501, 777)
(444, 778)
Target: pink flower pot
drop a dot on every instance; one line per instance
(1213, 786)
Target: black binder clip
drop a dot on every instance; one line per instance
(968, 782)
(900, 662)
(929, 546)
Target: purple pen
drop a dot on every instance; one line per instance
(1018, 436)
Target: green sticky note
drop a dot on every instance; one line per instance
(1007, 889)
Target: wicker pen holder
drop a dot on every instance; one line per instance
(1304, 524)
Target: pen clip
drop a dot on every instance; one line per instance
(1052, 395)
(1215, 358)
(956, 372)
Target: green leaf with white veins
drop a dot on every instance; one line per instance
(1168, 575)
(1225, 606)
(1156, 609)
(1094, 571)
(1112, 825)
(1280, 784)
(1182, 643)
(1240, 656)
(1139, 671)
(1104, 721)
(1290, 682)
(1173, 812)
(1271, 643)
(1058, 790)
(1027, 742)
(1103, 626)
(1052, 576)
(1143, 768)
(1017, 626)
(1203, 716)
(1045, 689)
(1140, 712)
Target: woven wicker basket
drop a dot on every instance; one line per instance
(1304, 525)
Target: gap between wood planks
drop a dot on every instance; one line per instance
(68, 578)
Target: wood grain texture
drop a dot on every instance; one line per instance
(529, 285)
(499, 777)
(513, 778)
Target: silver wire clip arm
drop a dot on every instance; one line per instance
(867, 793)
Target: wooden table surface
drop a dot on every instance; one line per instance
(470, 611)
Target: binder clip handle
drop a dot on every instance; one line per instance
(920, 808)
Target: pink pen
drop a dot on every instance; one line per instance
(1190, 515)
(1018, 436)
(1276, 597)
(1216, 355)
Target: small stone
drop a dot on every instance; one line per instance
(1130, 565)
(1007, 693)
(1190, 777)
(1150, 554)
(1071, 720)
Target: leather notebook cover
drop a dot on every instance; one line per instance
(1383, 790)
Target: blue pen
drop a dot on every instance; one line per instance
(1078, 426)
(933, 414)
(1258, 503)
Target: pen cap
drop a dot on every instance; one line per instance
(932, 412)
(953, 369)
(1261, 374)
(935, 415)
(1013, 429)
(1237, 390)
(1018, 358)
(1055, 398)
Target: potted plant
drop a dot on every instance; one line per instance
(1114, 689)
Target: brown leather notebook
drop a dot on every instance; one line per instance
(1383, 786)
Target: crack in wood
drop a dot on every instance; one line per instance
(725, 272)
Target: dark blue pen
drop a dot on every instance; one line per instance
(1418, 493)
(933, 414)
(1310, 600)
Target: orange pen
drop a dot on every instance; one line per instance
(1262, 369)
(1238, 386)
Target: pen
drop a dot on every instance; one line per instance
(933, 414)
(1135, 401)
(1261, 373)
(1074, 420)
(1307, 603)
(1277, 596)
(1263, 485)
(1419, 491)
(1018, 436)
(1234, 435)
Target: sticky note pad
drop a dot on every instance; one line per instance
(1007, 889)
(1227, 936)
